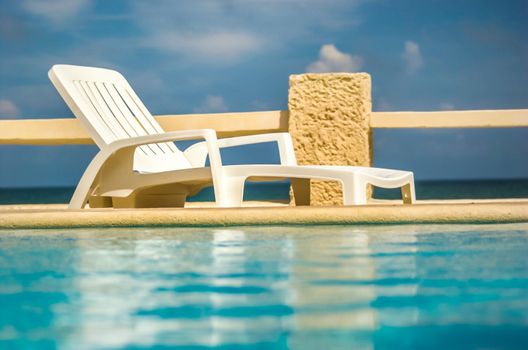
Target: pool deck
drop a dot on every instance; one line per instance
(266, 213)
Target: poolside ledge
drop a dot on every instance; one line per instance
(385, 212)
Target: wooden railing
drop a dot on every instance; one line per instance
(500, 118)
(70, 131)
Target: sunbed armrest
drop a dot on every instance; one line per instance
(210, 144)
(208, 134)
(197, 153)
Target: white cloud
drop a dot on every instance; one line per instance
(220, 32)
(333, 60)
(412, 56)
(8, 109)
(224, 46)
(212, 104)
(57, 12)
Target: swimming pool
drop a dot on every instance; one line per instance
(320, 287)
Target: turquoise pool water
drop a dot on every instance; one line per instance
(341, 287)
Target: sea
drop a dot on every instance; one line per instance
(445, 189)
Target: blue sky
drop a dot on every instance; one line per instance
(216, 56)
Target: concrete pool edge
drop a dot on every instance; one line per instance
(18, 217)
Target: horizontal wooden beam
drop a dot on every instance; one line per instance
(69, 131)
(501, 118)
(43, 132)
(228, 124)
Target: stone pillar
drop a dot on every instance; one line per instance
(329, 124)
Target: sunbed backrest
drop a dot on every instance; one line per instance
(109, 108)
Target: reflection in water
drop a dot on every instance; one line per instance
(217, 290)
(326, 293)
(324, 275)
(296, 287)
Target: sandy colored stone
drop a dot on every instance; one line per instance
(329, 125)
(33, 217)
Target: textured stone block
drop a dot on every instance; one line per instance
(329, 123)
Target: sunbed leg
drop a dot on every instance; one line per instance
(86, 185)
(301, 191)
(408, 193)
(80, 196)
(232, 192)
(354, 191)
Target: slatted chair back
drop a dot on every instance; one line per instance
(110, 110)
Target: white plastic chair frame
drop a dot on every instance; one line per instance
(135, 153)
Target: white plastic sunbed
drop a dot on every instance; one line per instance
(136, 154)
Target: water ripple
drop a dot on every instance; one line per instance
(265, 287)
